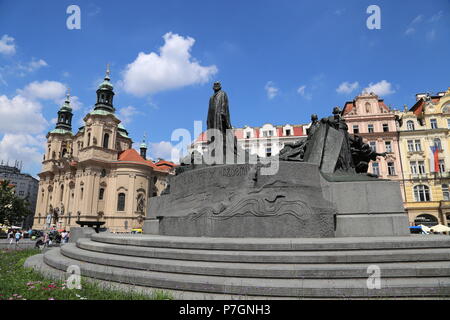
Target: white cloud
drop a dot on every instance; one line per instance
(22, 147)
(47, 90)
(33, 65)
(437, 16)
(347, 87)
(417, 19)
(7, 45)
(381, 88)
(165, 150)
(271, 90)
(172, 68)
(302, 91)
(21, 115)
(126, 114)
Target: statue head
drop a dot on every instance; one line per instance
(314, 117)
(336, 110)
(217, 86)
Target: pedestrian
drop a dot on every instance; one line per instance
(18, 236)
(64, 236)
(10, 237)
(46, 239)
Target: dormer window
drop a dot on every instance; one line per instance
(410, 125)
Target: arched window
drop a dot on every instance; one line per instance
(121, 202)
(101, 194)
(437, 143)
(422, 193)
(81, 193)
(410, 125)
(89, 139)
(106, 140)
(427, 220)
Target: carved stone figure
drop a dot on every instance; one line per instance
(345, 161)
(362, 154)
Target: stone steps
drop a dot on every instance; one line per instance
(285, 257)
(276, 244)
(415, 266)
(254, 286)
(259, 270)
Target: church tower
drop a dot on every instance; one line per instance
(105, 94)
(65, 115)
(143, 148)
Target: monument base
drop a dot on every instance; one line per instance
(367, 208)
(298, 201)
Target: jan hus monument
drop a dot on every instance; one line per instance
(316, 188)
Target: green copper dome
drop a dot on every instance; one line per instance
(106, 85)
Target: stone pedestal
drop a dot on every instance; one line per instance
(80, 232)
(151, 226)
(239, 201)
(367, 208)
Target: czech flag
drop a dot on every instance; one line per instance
(434, 159)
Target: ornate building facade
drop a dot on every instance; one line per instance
(369, 117)
(263, 141)
(425, 147)
(95, 174)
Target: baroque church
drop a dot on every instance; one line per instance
(95, 174)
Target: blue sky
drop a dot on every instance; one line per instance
(279, 61)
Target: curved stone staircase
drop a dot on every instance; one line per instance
(411, 266)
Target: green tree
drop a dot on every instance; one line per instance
(12, 208)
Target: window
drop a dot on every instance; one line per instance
(247, 135)
(106, 140)
(121, 202)
(441, 166)
(445, 192)
(81, 193)
(437, 143)
(89, 139)
(391, 168)
(385, 127)
(417, 145)
(355, 129)
(410, 125)
(421, 166)
(101, 194)
(370, 128)
(413, 167)
(373, 146)
(421, 193)
(375, 168)
(388, 146)
(433, 123)
(269, 150)
(288, 132)
(410, 145)
(448, 123)
(61, 195)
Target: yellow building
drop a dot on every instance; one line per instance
(425, 159)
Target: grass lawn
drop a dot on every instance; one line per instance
(19, 283)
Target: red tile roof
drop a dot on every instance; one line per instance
(133, 156)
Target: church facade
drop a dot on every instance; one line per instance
(95, 174)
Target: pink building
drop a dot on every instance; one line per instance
(369, 117)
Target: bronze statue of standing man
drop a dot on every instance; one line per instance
(219, 117)
(218, 113)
